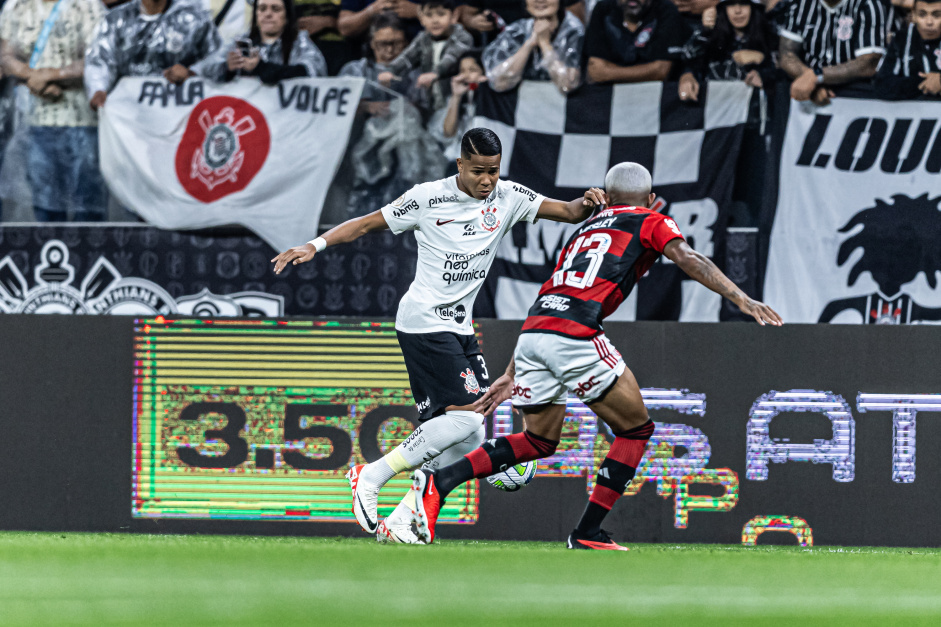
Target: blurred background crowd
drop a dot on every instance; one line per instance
(424, 62)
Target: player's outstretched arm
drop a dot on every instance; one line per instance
(499, 391)
(575, 211)
(701, 268)
(340, 234)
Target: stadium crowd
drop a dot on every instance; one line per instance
(424, 61)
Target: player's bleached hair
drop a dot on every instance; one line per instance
(628, 178)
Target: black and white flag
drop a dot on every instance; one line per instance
(559, 146)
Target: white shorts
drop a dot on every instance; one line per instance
(549, 366)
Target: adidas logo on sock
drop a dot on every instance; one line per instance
(604, 473)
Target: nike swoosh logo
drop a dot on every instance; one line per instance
(431, 487)
(372, 525)
(443, 222)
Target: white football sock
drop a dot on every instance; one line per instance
(425, 443)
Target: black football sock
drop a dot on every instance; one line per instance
(492, 456)
(617, 470)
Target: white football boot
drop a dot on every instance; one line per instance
(365, 499)
(398, 526)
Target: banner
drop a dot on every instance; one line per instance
(858, 223)
(559, 146)
(144, 271)
(203, 154)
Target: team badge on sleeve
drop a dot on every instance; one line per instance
(470, 381)
(490, 221)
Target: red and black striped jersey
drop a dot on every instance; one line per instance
(598, 268)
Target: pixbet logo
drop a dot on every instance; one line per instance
(225, 144)
(438, 200)
(458, 314)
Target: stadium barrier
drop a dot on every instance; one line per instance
(111, 423)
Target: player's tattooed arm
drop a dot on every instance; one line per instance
(500, 390)
(701, 268)
(574, 211)
(340, 234)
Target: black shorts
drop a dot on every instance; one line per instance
(444, 369)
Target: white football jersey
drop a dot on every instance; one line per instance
(458, 237)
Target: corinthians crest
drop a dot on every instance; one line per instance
(103, 290)
(221, 156)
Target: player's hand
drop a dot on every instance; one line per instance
(932, 83)
(499, 391)
(595, 197)
(689, 87)
(761, 312)
(804, 85)
(298, 254)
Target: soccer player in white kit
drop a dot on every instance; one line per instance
(459, 223)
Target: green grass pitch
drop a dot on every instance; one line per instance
(125, 579)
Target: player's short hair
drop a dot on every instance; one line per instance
(481, 141)
(628, 178)
(926, 2)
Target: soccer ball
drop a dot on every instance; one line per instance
(514, 477)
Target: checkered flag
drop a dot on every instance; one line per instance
(560, 146)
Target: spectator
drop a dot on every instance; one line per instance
(486, 19)
(319, 19)
(356, 16)
(42, 44)
(148, 37)
(274, 49)
(734, 43)
(830, 42)
(633, 41)
(386, 41)
(448, 125)
(913, 65)
(692, 11)
(435, 51)
(547, 46)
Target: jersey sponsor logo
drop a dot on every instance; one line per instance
(525, 191)
(457, 277)
(409, 206)
(439, 200)
(469, 230)
(489, 221)
(458, 314)
(211, 160)
(844, 29)
(585, 386)
(424, 405)
(470, 381)
(466, 257)
(441, 222)
(552, 301)
(521, 392)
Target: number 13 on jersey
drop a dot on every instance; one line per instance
(587, 247)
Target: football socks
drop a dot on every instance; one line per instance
(494, 455)
(617, 470)
(425, 443)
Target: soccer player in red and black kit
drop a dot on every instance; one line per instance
(563, 349)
